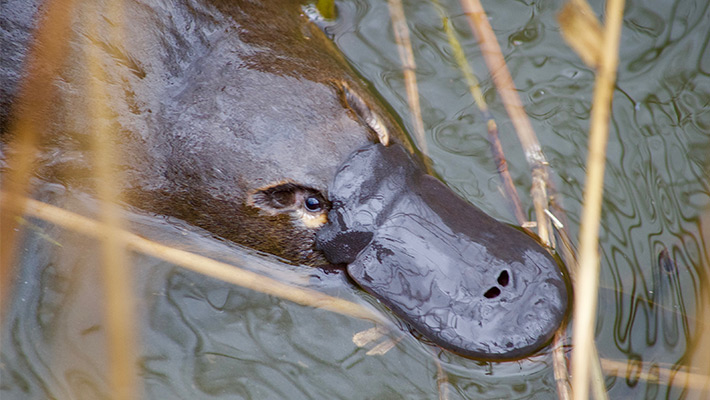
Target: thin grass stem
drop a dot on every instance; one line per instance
(559, 365)
(409, 67)
(442, 380)
(492, 127)
(119, 298)
(200, 264)
(586, 286)
(493, 57)
(35, 96)
(596, 377)
(533, 152)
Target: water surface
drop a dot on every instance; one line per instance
(201, 338)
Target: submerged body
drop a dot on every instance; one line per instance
(240, 97)
(240, 125)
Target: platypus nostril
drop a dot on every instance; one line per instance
(503, 278)
(492, 293)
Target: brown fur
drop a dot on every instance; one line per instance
(214, 101)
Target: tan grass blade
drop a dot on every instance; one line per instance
(409, 67)
(559, 365)
(200, 264)
(442, 381)
(581, 30)
(383, 347)
(504, 83)
(595, 375)
(492, 127)
(586, 286)
(44, 58)
(119, 304)
(533, 152)
(696, 373)
(363, 338)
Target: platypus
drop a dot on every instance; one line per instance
(241, 118)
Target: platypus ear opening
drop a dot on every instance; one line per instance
(359, 106)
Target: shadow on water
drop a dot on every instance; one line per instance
(204, 338)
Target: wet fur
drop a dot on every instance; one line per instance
(251, 95)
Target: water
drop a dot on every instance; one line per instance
(656, 188)
(201, 338)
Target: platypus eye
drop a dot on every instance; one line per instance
(304, 204)
(313, 203)
(287, 197)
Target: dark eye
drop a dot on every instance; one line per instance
(313, 203)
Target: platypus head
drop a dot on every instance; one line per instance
(245, 125)
(464, 280)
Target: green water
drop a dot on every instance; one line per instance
(656, 183)
(202, 338)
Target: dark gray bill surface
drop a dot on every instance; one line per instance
(467, 282)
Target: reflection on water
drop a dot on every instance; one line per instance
(657, 185)
(204, 338)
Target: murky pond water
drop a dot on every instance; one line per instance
(202, 338)
(655, 210)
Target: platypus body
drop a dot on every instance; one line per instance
(242, 119)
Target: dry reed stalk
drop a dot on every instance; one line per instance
(119, 304)
(383, 347)
(559, 365)
(372, 335)
(702, 348)
(363, 338)
(502, 167)
(406, 56)
(596, 376)
(199, 264)
(409, 67)
(581, 30)
(586, 286)
(533, 153)
(492, 127)
(493, 57)
(442, 378)
(442, 381)
(701, 380)
(35, 95)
